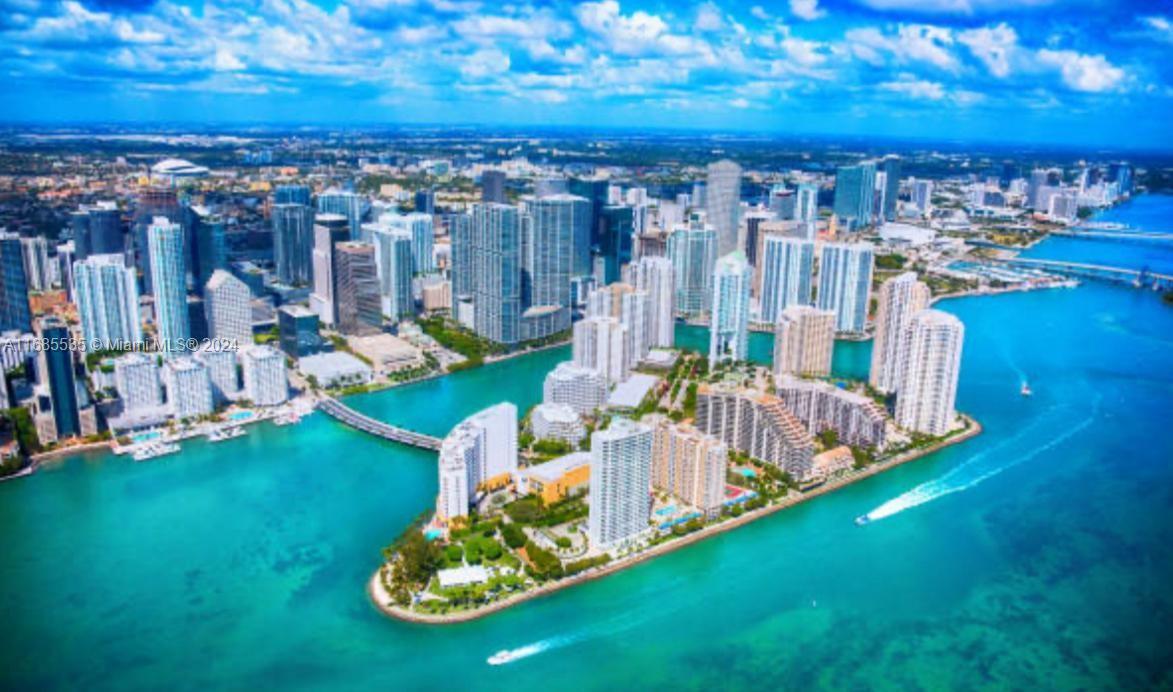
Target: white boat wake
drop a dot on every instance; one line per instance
(982, 466)
(510, 655)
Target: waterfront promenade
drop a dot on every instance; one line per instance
(383, 601)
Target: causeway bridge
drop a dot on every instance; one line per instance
(344, 414)
(1137, 277)
(1118, 236)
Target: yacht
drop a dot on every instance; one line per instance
(221, 434)
(154, 450)
(862, 519)
(1026, 389)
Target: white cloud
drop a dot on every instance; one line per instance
(992, 45)
(915, 88)
(636, 34)
(1091, 73)
(1158, 27)
(806, 9)
(225, 61)
(485, 63)
(967, 7)
(708, 18)
(759, 12)
(740, 103)
(911, 43)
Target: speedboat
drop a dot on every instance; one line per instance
(153, 451)
(1026, 389)
(862, 519)
(501, 658)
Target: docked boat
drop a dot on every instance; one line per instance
(1026, 389)
(287, 419)
(155, 450)
(221, 434)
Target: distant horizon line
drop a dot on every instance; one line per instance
(175, 127)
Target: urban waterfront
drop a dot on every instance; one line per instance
(1034, 554)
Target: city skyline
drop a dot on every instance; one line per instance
(1083, 73)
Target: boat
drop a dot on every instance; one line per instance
(221, 434)
(501, 658)
(286, 419)
(155, 450)
(862, 519)
(1026, 389)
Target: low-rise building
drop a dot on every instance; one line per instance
(557, 422)
(336, 369)
(557, 479)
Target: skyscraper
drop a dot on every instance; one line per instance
(393, 260)
(728, 331)
(360, 307)
(228, 309)
(602, 344)
(152, 203)
(206, 251)
(584, 389)
(483, 447)
(693, 251)
(593, 190)
(14, 291)
(346, 204)
(689, 464)
(804, 341)
(165, 244)
(723, 203)
(189, 388)
(892, 170)
(928, 391)
(292, 194)
(845, 284)
(563, 222)
(616, 228)
(97, 230)
(656, 277)
(265, 380)
(806, 203)
(38, 271)
(329, 230)
(898, 300)
(621, 482)
(136, 377)
(495, 271)
(493, 187)
(855, 194)
(786, 266)
(106, 293)
(293, 243)
(298, 327)
(58, 366)
(418, 227)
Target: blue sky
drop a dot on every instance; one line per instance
(1085, 72)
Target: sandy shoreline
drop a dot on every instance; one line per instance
(382, 600)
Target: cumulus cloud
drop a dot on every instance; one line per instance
(1091, 73)
(806, 9)
(991, 45)
(915, 88)
(912, 43)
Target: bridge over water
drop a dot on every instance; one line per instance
(1136, 277)
(344, 414)
(1118, 236)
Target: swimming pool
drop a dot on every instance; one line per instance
(433, 534)
(747, 472)
(240, 415)
(665, 510)
(145, 436)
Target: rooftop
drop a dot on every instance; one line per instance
(551, 471)
(630, 392)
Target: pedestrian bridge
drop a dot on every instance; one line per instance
(1137, 277)
(344, 414)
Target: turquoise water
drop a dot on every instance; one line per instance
(1037, 555)
(240, 415)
